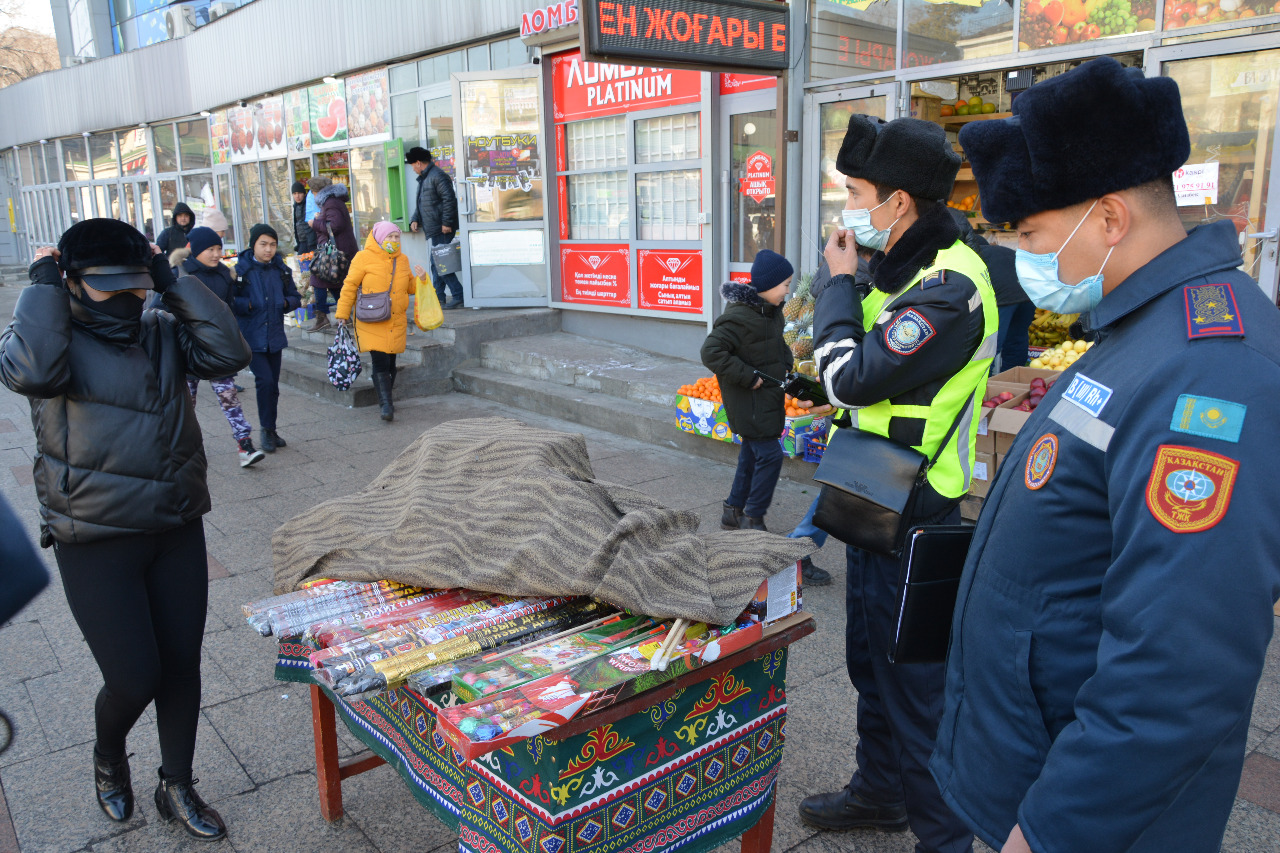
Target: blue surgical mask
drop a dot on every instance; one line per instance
(866, 234)
(1038, 275)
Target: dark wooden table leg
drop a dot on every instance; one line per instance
(759, 838)
(324, 726)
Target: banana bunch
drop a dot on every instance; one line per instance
(1049, 329)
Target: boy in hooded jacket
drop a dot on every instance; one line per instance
(745, 339)
(263, 294)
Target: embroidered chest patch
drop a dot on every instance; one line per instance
(908, 332)
(1209, 416)
(1040, 461)
(1190, 489)
(1212, 312)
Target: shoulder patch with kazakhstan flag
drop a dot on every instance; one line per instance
(1209, 417)
(1190, 489)
(1212, 312)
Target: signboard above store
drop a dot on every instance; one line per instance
(712, 35)
(588, 89)
(553, 17)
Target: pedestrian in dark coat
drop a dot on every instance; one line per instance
(435, 215)
(747, 338)
(332, 223)
(175, 236)
(120, 474)
(304, 237)
(264, 293)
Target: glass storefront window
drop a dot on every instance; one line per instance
(1230, 106)
(752, 226)
(113, 201)
(166, 145)
(27, 165)
(478, 58)
(599, 206)
(86, 203)
(598, 143)
(508, 53)
(51, 162)
(834, 120)
(437, 69)
(130, 212)
(439, 135)
(1054, 22)
(503, 163)
(100, 198)
(224, 206)
(280, 201)
(198, 192)
(168, 198)
(75, 161)
(853, 37)
(133, 152)
(668, 138)
(403, 77)
(404, 118)
(249, 192)
(73, 205)
(946, 32)
(145, 213)
(668, 204)
(102, 152)
(193, 140)
(370, 201)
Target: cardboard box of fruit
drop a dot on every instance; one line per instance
(984, 471)
(706, 416)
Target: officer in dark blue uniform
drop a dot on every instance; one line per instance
(1116, 607)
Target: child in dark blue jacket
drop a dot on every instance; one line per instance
(261, 297)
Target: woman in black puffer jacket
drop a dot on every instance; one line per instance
(120, 475)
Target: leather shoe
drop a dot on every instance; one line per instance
(730, 517)
(813, 576)
(178, 800)
(843, 810)
(751, 522)
(115, 787)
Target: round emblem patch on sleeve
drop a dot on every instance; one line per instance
(1040, 461)
(908, 332)
(1189, 489)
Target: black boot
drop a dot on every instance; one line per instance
(844, 809)
(115, 786)
(813, 576)
(382, 384)
(177, 800)
(751, 522)
(730, 518)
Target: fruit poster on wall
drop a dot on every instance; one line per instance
(368, 107)
(596, 274)
(244, 140)
(671, 280)
(328, 113)
(1056, 22)
(297, 122)
(268, 124)
(220, 137)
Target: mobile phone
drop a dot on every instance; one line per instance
(806, 388)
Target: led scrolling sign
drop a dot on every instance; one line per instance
(710, 34)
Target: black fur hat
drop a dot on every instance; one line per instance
(1097, 129)
(107, 253)
(906, 154)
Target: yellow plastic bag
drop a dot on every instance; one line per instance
(426, 305)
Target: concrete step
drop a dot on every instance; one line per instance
(644, 421)
(415, 381)
(614, 370)
(317, 352)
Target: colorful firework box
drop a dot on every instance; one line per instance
(778, 597)
(547, 703)
(708, 419)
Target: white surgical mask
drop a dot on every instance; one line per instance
(1038, 275)
(866, 234)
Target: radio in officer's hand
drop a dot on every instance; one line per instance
(799, 386)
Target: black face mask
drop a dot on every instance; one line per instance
(122, 306)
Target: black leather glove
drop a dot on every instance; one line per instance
(161, 273)
(45, 271)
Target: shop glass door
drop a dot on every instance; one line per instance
(500, 179)
(826, 120)
(1231, 105)
(749, 148)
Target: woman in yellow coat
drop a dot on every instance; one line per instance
(377, 268)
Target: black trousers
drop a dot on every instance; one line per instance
(140, 602)
(383, 362)
(266, 380)
(899, 707)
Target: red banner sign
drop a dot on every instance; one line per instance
(732, 84)
(740, 277)
(588, 89)
(596, 274)
(757, 184)
(671, 280)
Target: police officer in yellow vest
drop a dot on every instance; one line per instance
(907, 362)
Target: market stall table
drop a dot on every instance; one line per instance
(681, 765)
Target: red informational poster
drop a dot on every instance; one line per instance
(589, 89)
(732, 84)
(740, 277)
(597, 274)
(671, 280)
(757, 183)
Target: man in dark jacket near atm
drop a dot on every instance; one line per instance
(436, 215)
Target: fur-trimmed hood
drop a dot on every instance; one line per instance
(916, 249)
(740, 291)
(338, 191)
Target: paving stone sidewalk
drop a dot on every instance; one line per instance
(255, 758)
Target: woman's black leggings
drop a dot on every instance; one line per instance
(140, 602)
(383, 362)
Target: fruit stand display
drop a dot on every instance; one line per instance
(700, 410)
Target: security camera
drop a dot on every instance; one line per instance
(242, 103)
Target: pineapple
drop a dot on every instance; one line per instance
(802, 348)
(800, 303)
